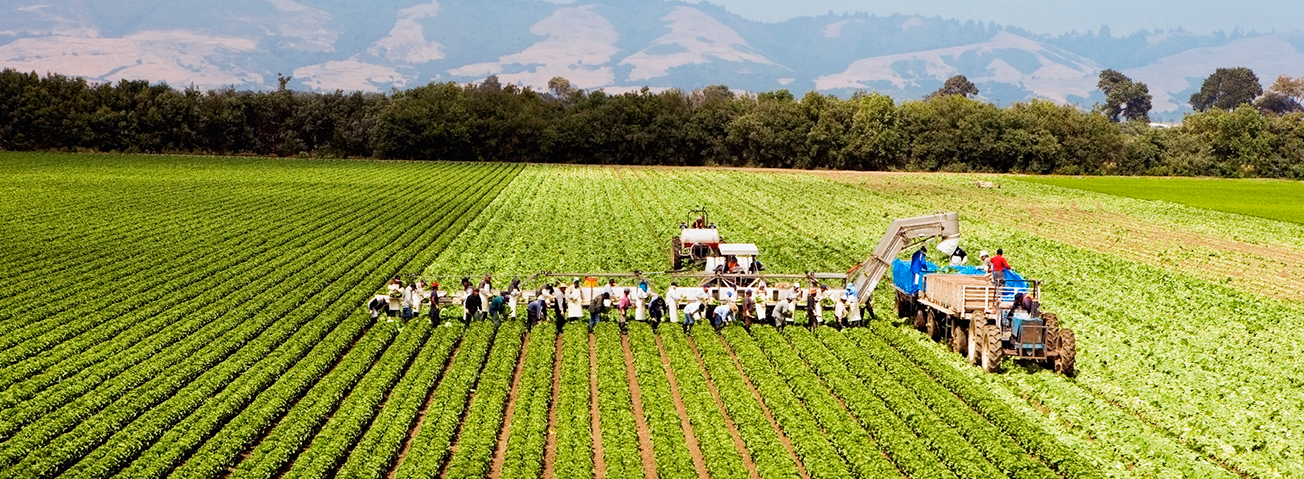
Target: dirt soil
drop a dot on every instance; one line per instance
(595, 428)
(756, 393)
(550, 449)
(640, 422)
(500, 453)
(728, 421)
(694, 449)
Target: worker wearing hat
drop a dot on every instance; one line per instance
(987, 261)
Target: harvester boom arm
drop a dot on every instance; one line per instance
(866, 275)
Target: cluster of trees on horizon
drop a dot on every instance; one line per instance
(1239, 130)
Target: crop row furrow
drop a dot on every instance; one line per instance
(722, 457)
(484, 416)
(619, 435)
(881, 407)
(527, 432)
(430, 446)
(574, 436)
(669, 446)
(772, 459)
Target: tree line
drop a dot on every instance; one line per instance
(1237, 130)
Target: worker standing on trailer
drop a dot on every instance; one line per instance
(919, 263)
(999, 267)
(959, 256)
(986, 260)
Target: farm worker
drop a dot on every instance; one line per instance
(657, 310)
(723, 314)
(574, 303)
(473, 306)
(625, 304)
(987, 261)
(640, 301)
(840, 312)
(760, 298)
(394, 285)
(609, 292)
(408, 298)
(813, 308)
(513, 295)
(959, 256)
(999, 267)
(782, 313)
(434, 303)
(417, 296)
(597, 306)
(555, 299)
(748, 309)
(496, 306)
(919, 263)
(690, 313)
(853, 306)
(466, 285)
(378, 302)
(672, 301)
(704, 296)
(487, 284)
(534, 311)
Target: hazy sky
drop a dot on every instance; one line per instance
(1057, 16)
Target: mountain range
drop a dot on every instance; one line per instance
(614, 45)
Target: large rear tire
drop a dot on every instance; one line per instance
(921, 318)
(992, 352)
(934, 326)
(959, 340)
(902, 306)
(1066, 361)
(1052, 329)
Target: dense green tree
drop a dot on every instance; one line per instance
(1228, 89)
(956, 85)
(1124, 98)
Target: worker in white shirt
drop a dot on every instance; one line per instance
(672, 301)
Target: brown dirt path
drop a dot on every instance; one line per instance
(640, 422)
(500, 453)
(550, 448)
(728, 421)
(756, 393)
(595, 429)
(694, 450)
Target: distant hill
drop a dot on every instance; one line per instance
(616, 45)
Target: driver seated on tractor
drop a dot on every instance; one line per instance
(700, 222)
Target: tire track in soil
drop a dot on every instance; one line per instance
(425, 406)
(694, 450)
(756, 393)
(500, 452)
(640, 422)
(595, 416)
(550, 448)
(728, 421)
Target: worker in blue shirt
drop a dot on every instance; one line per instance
(919, 263)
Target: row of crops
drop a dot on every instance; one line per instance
(203, 318)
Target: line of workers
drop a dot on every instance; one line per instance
(687, 306)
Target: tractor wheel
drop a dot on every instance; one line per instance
(902, 307)
(1064, 362)
(676, 246)
(921, 318)
(976, 341)
(933, 327)
(1052, 328)
(959, 340)
(993, 353)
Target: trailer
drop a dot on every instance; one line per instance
(980, 320)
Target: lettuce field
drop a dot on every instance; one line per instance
(206, 318)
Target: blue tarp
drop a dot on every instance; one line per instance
(905, 281)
